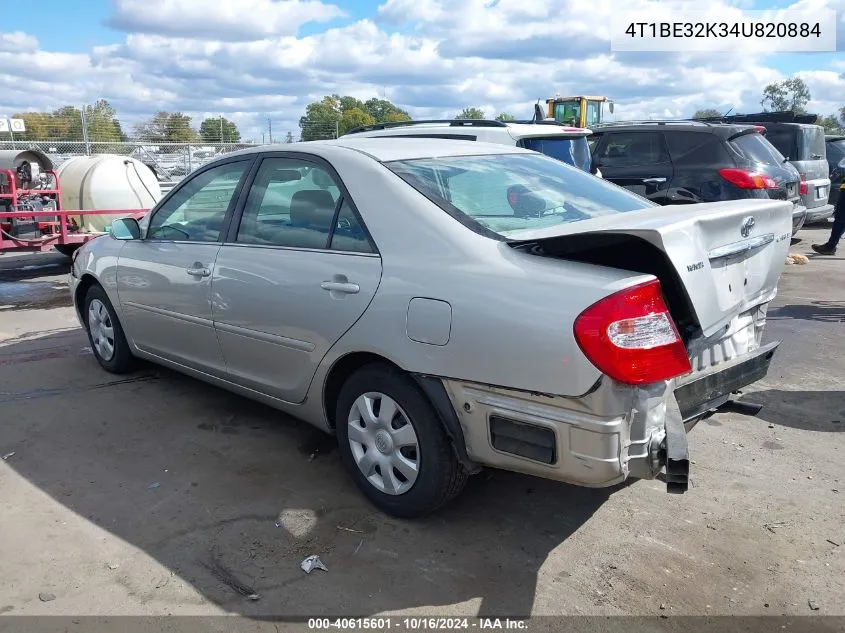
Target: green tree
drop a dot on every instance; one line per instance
(102, 124)
(334, 115)
(504, 116)
(831, 124)
(321, 120)
(352, 118)
(383, 111)
(471, 113)
(219, 130)
(790, 94)
(707, 113)
(167, 127)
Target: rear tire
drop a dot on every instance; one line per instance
(105, 334)
(399, 441)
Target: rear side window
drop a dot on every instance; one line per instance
(753, 147)
(836, 151)
(572, 151)
(812, 143)
(627, 149)
(696, 148)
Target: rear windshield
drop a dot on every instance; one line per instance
(507, 193)
(757, 149)
(812, 143)
(572, 151)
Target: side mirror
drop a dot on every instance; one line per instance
(125, 229)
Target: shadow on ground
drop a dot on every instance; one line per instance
(822, 311)
(230, 496)
(809, 410)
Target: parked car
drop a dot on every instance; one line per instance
(565, 143)
(835, 148)
(443, 306)
(682, 162)
(803, 144)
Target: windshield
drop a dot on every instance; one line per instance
(567, 112)
(755, 148)
(508, 193)
(836, 151)
(572, 151)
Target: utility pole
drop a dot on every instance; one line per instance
(85, 131)
(270, 130)
(221, 129)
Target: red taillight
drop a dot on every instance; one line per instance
(803, 188)
(745, 179)
(631, 337)
(760, 129)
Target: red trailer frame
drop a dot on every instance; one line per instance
(64, 232)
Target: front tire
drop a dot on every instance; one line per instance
(67, 249)
(105, 333)
(393, 444)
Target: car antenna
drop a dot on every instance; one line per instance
(728, 112)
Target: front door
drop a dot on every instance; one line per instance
(164, 280)
(638, 161)
(298, 272)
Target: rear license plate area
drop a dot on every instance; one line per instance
(821, 193)
(701, 394)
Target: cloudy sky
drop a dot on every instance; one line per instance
(255, 60)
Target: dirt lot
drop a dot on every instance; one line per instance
(157, 494)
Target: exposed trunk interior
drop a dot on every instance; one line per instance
(625, 252)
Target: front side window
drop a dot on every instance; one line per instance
(298, 204)
(510, 193)
(572, 151)
(593, 113)
(196, 212)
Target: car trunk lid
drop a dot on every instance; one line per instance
(727, 256)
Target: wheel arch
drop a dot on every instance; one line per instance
(86, 281)
(430, 386)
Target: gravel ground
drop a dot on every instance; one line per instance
(157, 494)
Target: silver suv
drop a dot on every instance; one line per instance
(803, 144)
(567, 144)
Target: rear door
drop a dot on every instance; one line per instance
(295, 273)
(638, 161)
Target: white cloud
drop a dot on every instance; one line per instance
(17, 42)
(223, 20)
(432, 57)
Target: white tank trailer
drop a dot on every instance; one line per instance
(106, 181)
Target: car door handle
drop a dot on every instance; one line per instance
(341, 286)
(198, 270)
(650, 181)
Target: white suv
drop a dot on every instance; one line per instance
(567, 144)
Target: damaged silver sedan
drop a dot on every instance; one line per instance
(442, 306)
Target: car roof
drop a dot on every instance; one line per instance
(721, 129)
(829, 138)
(512, 128)
(385, 149)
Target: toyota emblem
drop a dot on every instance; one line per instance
(747, 225)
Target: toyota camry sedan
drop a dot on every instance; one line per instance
(443, 306)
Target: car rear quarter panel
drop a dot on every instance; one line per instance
(512, 314)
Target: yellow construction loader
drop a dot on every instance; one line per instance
(577, 111)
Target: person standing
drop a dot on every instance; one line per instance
(829, 247)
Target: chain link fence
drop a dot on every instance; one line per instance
(87, 131)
